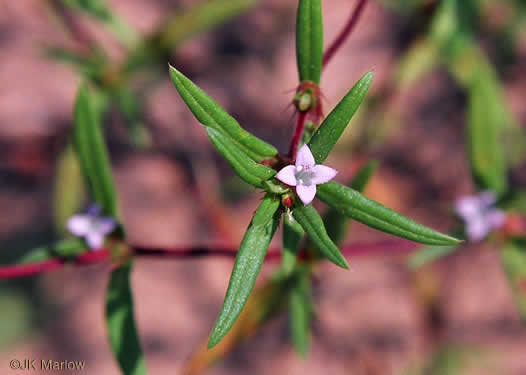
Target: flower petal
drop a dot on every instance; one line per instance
(79, 225)
(95, 240)
(287, 175)
(106, 225)
(487, 199)
(477, 229)
(306, 193)
(468, 207)
(323, 174)
(304, 157)
(496, 218)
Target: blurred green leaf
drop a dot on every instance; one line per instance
(95, 8)
(333, 126)
(312, 223)
(484, 137)
(210, 114)
(91, 151)
(430, 254)
(66, 248)
(301, 311)
(69, 190)
(120, 322)
(200, 17)
(353, 204)
(248, 263)
(292, 235)
(337, 224)
(309, 40)
(131, 107)
(513, 258)
(246, 168)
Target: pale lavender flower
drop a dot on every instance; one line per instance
(92, 227)
(305, 175)
(480, 215)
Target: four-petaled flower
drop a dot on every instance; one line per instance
(92, 227)
(305, 175)
(480, 215)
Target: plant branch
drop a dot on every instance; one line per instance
(387, 247)
(346, 31)
(298, 134)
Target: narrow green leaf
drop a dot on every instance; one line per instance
(430, 254)
(333, 126)
(95, 8)
(513, 258)
(120, 322)
(312, 223)
(210, 114)
(247, 265)
(301, 311)
(484, 137)
(336, 223)
(292, 235)
(247, 169)
(309, 40)
(353, 204)
(91, 151)
(69, 189)
(66, 248)
(200, 17)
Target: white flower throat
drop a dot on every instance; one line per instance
(304, 175)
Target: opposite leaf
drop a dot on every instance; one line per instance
(312, 223)
(248, 263)
(246, 168)
(301, 311)
(120, 322)
(210, 114)
(353, 204)
(292, 235)
(309, 40)
(333, 126)
(91, 151)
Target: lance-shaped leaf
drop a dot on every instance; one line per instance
(95, 8)
(336, 223)
(488, 164)
(513, 258)
(301, 311)
(247, 265)
(309, 40)
(292, 236)
(312, 223)
(353, 204)
(91, 151)
(333, 126)
(120, 321)
(210, 114)
(246, 168)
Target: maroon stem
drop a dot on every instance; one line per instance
(298, 133)
(387, 247)
(344, 34)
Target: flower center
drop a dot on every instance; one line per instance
(304, 175)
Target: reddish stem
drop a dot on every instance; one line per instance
(344, 34)
(298, 133)
(387, 247)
